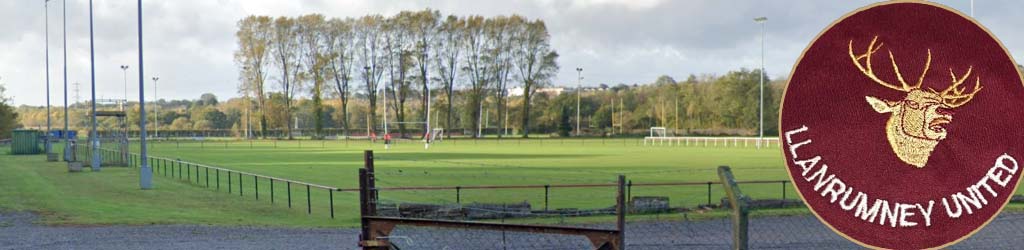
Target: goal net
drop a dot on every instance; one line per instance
(658, 132)
(436, 135)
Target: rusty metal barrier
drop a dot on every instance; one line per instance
(376, 230)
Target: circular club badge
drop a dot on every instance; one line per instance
(901, 126)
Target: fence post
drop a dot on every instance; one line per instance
(188, 171)
(330, 193)
(217, 172)
(309, 204)
(207, 177)
(458, 195)
(289, 194)
(547, 189)
(229, 181)
(784, 190)
(368, 164)
(364, 206)
(620, 212)
(256, 181)
(271, 190)
(629, 190)
(739, 207)
(709, 193)
(239, 184)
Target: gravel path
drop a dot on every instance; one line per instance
(17, 231)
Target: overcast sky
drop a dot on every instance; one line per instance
(189, 43)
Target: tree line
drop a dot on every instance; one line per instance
(699, 105)
(399, 59)
(330, 76)
(8, 116)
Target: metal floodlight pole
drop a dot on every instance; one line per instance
(246, 83)
(156, 110)
(124, 69)
(428, 131)
(46, 15)
(760, 133)
(369, 125)
(386, 110)
(92, 68)
(67, 139)
(579, 90)
(145, 174)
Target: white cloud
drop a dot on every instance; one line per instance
(189, 43)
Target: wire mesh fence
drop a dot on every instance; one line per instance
(660, 215)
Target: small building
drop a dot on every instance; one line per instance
(26, 142)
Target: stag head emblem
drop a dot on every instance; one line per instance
(915, 123)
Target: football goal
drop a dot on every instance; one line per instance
(658, 132)
(436, 135)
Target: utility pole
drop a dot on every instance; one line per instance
(92, 68)
(156, 109)
(579, 90)
(760, 133)
(145, 174)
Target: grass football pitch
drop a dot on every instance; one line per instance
(112, 196)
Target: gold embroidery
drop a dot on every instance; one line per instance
(916, 123)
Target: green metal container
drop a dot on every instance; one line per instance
(26, 142)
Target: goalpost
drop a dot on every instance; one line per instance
(659, 132)
(435, 135)
(656, 134)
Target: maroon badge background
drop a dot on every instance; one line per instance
(827, 93)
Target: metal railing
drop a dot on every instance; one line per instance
(233, 181)
(259, 186)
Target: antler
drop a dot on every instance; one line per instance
(869, 71)
(954, 96)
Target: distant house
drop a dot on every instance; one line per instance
(518, 91)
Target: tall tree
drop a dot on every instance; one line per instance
(285, 49)
(448, 49)
(8, 118)
(477, 67)
(397, 34)
(536, 63)
(499, 32)
(340, 39)
(254, 37)
(369, 46)
(311, 31)
(424, 31)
